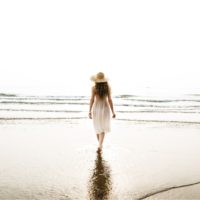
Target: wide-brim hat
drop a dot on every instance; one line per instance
(99, 78)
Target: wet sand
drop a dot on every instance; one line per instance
(59, 160)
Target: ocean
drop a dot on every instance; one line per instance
(181, 108)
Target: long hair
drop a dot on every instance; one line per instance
(102, 89)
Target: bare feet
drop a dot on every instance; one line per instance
(98, 150)
(100, 147)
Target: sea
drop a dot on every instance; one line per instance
(147, 107)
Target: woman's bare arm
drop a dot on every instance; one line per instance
(111, 103)
(91, 103)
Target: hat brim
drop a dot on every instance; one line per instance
(95, 79)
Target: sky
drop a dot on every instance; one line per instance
(54, 46)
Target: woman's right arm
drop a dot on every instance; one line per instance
(111, 103)
(91, 103)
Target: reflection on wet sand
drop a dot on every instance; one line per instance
(100, 181)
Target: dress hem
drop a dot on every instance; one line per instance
(100, 132)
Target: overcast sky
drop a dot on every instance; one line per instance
(54, 47)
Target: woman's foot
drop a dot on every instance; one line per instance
(100, 147)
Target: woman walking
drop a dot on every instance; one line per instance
(100, 105)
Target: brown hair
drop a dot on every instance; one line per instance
(102, 89)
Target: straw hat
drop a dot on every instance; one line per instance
(99, 78)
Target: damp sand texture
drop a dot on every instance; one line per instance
(48, 149)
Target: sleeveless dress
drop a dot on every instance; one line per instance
(101, 115)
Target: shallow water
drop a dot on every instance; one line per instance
(48, 149)
(182, 108)
(58, 160)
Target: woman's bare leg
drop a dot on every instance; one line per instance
(98, 137)
(101, 137)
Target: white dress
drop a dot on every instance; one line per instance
(101, 115)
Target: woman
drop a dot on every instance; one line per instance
(100, 106)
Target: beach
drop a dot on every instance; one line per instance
(48, 149)
(59, 160)
(131, 65)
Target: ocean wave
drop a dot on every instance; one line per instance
(30, 110)
(164, 101)
(84, 117)
(7, 95)
(36, 98)
(118, 111)
(128, 107)
(42, 102)
(158, 111)
(87, 103)
(41, 118)
(159, 121)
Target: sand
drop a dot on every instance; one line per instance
(47, 160)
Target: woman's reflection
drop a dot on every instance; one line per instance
(100, 181)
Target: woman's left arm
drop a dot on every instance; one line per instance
(111, 103)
